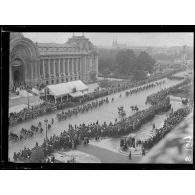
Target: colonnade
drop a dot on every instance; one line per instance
(59, 67)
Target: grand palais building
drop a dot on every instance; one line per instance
(51, 63)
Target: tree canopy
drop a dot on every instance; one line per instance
(125, 63)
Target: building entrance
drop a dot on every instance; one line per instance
(17, 72)
(16, 76)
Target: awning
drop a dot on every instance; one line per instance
(76, 94)
(63, 89)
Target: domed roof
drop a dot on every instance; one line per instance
(82, 42)
(37, 155)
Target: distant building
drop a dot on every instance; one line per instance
(115, 45)
(51, 63)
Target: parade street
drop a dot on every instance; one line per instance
(106, 113)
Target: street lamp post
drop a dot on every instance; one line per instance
(28, 99)
(46, 123)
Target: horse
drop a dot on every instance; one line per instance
(127, 93)
(134, 108)
(185, 101)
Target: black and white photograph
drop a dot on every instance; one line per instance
(101, 97)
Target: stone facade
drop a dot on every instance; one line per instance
(51, 63)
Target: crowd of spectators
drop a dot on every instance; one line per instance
(174, 119)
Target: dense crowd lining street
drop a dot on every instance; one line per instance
(100, 115)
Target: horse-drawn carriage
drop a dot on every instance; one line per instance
(128, 141)
(12, 121)
(121, 112)
(14, 137)
(134, 108)
(36, 113)
(185, 101)
(26, 133)
(28, 115)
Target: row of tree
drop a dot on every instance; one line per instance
(125, 63)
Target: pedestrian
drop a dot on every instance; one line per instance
(130, 155)
(143, 151)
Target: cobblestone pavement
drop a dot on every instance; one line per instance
(176, 147)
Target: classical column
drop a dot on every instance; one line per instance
(77, 64)
(26, 76)
(36, 70)
(73, 66)
(49, 71)
(64, 66)
(59, 60)
(43, 64)
(73, 60)
(54, 68)
(68, 66)
(85, 67)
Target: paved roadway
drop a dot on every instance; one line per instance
(107, 156)
(22, 100)
(112, 144)
(106, 113)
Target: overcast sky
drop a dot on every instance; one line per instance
(131, 39)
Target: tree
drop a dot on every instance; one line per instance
(93, 75)
(139, 75)
(145, 62)
(104, 83)
(106, 72)
(125, 61)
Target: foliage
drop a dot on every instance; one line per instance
(93, 75)
(125, 63)
(104, 83)
(139, 75)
